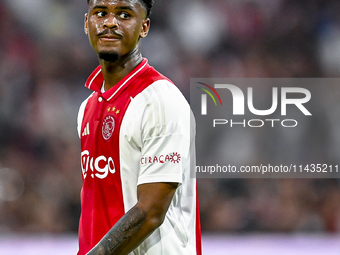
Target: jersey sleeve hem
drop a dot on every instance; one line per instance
(159, 178)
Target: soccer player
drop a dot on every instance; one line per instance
(136, 145)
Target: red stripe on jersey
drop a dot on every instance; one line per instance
(101, 195)
(198, 227)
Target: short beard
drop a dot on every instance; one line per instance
(109, 56)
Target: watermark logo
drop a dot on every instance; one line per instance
(264, 127)
(279, 101)
(204, 97)
(239, 99)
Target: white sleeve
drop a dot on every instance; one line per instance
(164, 134)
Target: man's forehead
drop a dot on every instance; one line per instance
(115, 2)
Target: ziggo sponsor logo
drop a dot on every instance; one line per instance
(174, 158)
(100, 167)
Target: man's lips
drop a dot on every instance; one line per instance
(109, 38)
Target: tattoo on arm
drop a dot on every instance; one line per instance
(116, 239)
(139, 222)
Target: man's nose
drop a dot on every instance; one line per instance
(111, 21)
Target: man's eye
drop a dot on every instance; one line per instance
(124, 15)
(100, 13)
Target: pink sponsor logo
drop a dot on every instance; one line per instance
(161, 159)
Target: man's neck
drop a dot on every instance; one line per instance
(114, 72)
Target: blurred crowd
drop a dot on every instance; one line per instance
(45, 59)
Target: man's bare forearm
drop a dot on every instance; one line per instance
(125, 235)
(139, 222)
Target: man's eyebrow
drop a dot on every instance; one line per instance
(129, 8)
(99, 7)
(125, 8)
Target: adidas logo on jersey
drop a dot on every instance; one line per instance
(86, 130)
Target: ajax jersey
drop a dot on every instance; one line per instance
(137, 132)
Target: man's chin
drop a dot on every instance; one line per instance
(109, 56)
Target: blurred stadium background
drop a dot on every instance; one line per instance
(45, 59)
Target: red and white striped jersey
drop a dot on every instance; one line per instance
(137, 132)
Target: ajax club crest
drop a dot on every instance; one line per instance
(108, 127)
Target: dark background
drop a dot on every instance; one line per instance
(45, 59)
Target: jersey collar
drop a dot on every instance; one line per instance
(96, 79)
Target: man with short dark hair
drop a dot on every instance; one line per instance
(136, 145)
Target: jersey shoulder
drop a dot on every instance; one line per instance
(164, 95)
(162, 109)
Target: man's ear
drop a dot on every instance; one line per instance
(85, 24)
(145, 28)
